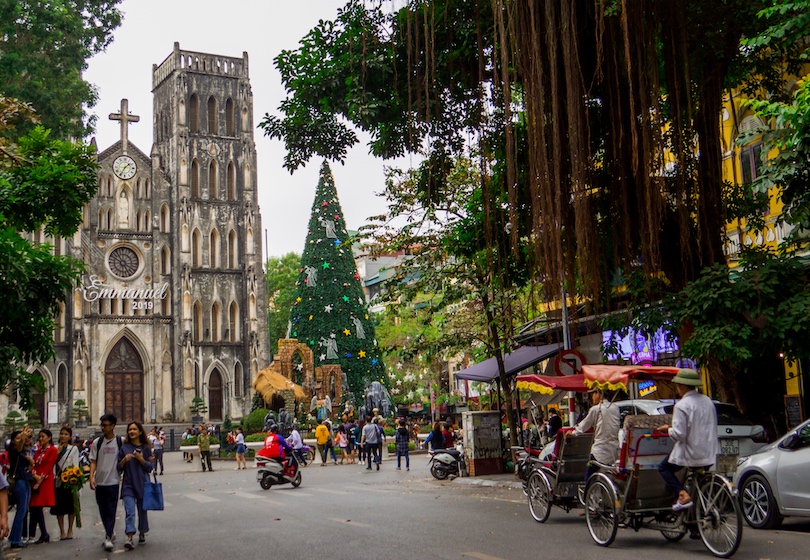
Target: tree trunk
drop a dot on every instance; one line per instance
(505, 385)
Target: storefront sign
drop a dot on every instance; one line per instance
(98, 290)
(646, 388)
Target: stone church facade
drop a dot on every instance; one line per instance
(172, 305)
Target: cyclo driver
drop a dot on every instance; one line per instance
(275, 446)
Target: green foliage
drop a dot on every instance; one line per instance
(280, 275)
(392, 447)
(45, 47)
(259, 436)
(44, 184)
(197, 406)
(14, 421)
(254, 422)
(80, 411)
(257, 402)
(329, 307)
(190, 441)
(788, 168)
(227, 424)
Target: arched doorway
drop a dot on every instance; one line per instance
(123, 383)
(36, 415)
(215, 395)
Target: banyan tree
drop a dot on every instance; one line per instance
(596, 123)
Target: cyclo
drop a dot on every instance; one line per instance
(632, 494)
(557, 477)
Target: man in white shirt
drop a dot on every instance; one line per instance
(294, 439)
(104, 477)
(694, 431)
(604, 419)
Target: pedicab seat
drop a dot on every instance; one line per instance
(641, 456)
(574, 454)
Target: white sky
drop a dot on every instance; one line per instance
(263, 28)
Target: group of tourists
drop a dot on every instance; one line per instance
(44, 474)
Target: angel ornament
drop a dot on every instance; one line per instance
(321, 408)
(330, 228)
(312, 276)
(358, 324)
(331, 348)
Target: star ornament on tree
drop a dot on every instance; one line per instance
(300, 367)
(322, 357)
(325, 265)
(347, 332)
(328, 308)
(346, 299)
(361, 354)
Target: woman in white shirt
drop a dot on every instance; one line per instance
(68, 457)
(240, 449)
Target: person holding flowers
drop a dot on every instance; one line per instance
(67, 478)
(43, 489)
(134, 460)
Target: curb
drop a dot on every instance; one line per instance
(480, 481)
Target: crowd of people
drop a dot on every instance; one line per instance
(118, 469)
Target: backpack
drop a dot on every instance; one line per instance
(119, 441)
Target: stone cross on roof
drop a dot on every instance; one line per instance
(125, 119)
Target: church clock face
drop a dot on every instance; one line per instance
(124, 167)
(123, 262)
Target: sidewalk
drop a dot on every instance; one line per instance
(506, 480)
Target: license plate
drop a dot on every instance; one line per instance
(729, 447)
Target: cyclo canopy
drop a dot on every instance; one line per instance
(619, 377)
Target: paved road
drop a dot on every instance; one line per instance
(346, 512)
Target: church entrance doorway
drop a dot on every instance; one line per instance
(123, 383)
(215, 396)
(37, 414)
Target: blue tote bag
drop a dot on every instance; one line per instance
(153, 494)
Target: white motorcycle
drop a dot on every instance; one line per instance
(448, 462)
(270, 472)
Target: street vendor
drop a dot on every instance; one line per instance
(694, 433)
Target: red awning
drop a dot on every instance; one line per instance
(617, 377)
(547, 384)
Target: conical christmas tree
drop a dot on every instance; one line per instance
(329, 312)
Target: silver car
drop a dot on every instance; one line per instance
(773, 483)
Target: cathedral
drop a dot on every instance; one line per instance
(172, 303)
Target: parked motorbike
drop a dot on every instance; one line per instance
(270, 472)
(448, 462)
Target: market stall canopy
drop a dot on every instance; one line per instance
(548, 384)
(269, 382)
(617, 377)
(513, 362)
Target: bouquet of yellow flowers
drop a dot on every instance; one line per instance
(72, 478)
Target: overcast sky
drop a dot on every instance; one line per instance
(263, 28)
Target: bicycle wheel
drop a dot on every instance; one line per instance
(600, 508)
(719, 518)
(539, 495)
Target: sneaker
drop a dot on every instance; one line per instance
(678, 506)
(130, 544)
(142, 538)
(108, 545)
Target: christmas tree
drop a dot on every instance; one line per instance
(329, 312)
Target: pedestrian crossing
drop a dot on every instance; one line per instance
(210, 496)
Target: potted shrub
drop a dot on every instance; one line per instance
(79, 413)
(197, 408)
(14, 421)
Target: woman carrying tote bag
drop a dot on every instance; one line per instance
(134, 460)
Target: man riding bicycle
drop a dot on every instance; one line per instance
(694, 433)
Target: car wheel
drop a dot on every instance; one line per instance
(758, 503)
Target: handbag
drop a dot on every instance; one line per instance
(152, 494)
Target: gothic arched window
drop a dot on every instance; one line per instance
(194, 114)
(212, 115)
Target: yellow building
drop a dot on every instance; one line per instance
(742, 164)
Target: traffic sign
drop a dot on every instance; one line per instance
(569, 362)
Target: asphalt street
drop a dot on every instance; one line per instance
(346, 512)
